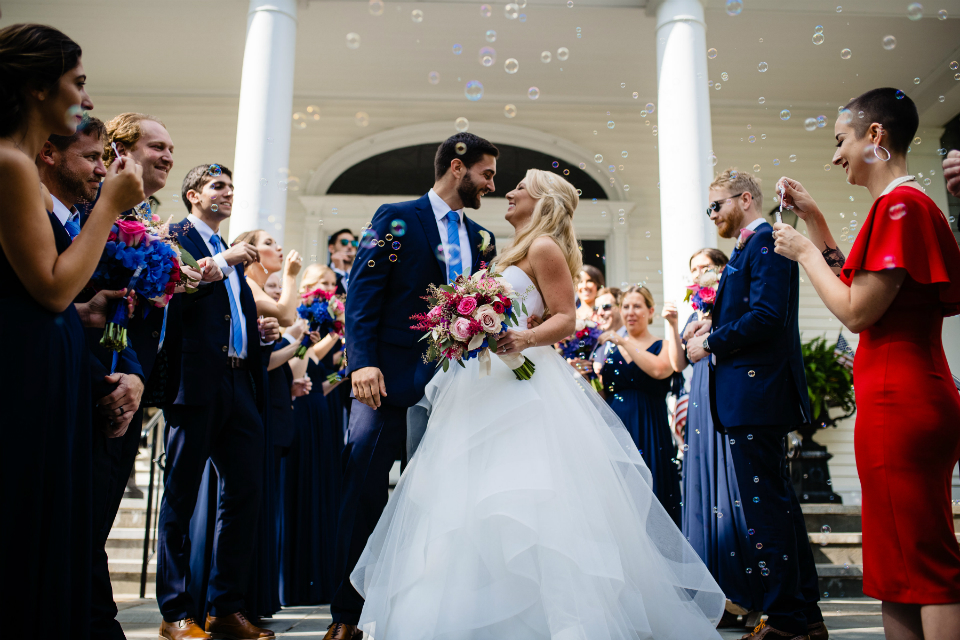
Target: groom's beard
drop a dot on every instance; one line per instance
(730, 227)
(469, 192)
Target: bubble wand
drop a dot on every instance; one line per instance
(783, 192)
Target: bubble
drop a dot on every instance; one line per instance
(765, 572)
(756, 478)
(785, 114)
(369, 239)
(293, 183)
(491, 36)
(461, 148)
(954, 65)
(818, 28)
(457, 49)
(416, 15)
(546, 56)
(461, 124)
(914, 10)
(749, 570)
(818, 38)
(942, 14)
(511, 11)
(371, 263)
(393, 257)
(762, 100)
(734, 7)
(724, 76)
(215, 170)
(511, 66)
(764, 251)
(488, 56)
(569, 4)
(353, 40)
(821, 122)
(776, 163)
(889, 43)
(712, 159)
(756, 500)
(583, 165)
(433, 77)
(845, 54)
(563, 53)
(762, 67)
(473, 91)
(376, 7)
(941, 152)
(611, 168)
(916, 140)
(362, 119)
(523, 17)
(485, 10)
(533, 93)
(598, 158)
(752, 139)
(810, 124)
(826, 167)
(711, 53)
(611, 124)
(839, 9)
(897, 211)
(756, 168)
(716, 86)
(626, 187)
(216, 208)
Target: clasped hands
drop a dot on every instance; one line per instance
(694, 335)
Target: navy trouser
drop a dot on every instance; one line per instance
(783, 575)
(229, 431)
(375, 439)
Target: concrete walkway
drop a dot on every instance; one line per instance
(847, 619)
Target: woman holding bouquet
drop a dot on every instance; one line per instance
(45, 457)
(636, 381)
(527, 511)
(901, 279)
(713, 521)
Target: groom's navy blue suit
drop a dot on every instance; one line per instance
(384, 294)
(758, 394)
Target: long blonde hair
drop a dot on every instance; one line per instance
(312, 275)
(552, 217)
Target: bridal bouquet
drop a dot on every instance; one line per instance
(465, 319)
(581, 346)
(702, 294)
(139, 256)
(323, 311)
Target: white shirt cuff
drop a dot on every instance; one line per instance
(222, 263)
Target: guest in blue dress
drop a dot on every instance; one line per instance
(45, 459)
(636, 380)
(713, 520)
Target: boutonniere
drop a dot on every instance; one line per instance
(484, 242)
(744, 236)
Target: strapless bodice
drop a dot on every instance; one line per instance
(527, 291)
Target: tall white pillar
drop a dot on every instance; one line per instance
(263, 125)
(685, 139)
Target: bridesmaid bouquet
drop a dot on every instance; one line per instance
(581, 346)
(140, 256)
(323, 311)
(702, 294)
(465, 319)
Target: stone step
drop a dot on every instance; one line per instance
(846, 518)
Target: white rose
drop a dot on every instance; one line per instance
(709, 279)
(488, 318)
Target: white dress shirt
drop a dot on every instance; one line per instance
(233, 279)
(63, 214)
(440, 211)
(754, 224)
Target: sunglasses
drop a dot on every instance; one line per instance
(349, 243)
(604, 307)
(717, 204)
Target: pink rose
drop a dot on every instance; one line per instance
(708, 295)
(131, 232)
(488, 319)
(435, 313)
(461, 329)
(467, 306)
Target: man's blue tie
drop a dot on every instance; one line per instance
(236, 318)
(72, 225)
(454, 264)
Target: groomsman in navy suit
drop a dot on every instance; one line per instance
(758, 394)
(425, 241)
(343, 251)
(216, 415)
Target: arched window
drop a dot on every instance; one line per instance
(409, 171)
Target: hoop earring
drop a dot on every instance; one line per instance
(879, 146)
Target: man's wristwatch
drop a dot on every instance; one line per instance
(706, 345)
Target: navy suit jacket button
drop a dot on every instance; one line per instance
(156, 334)
(227, 317)
(224, 348)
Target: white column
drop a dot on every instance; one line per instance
(263, 124)
(685, 140)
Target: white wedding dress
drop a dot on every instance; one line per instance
(527, 513)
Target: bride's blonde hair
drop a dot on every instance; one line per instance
(552, 216)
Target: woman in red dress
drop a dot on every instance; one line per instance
(901, 279)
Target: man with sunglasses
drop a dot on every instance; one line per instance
(342, 249)
(758, 393)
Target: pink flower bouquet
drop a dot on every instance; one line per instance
(702, 294)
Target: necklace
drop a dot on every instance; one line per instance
(896, 182)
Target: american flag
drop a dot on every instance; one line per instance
(843, 352)
(680, 418)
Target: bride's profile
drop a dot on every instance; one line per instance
(527, 511)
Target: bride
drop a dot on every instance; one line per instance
(527, 511)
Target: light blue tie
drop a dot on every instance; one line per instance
(454, 264)
(72, 225)
(236, 318)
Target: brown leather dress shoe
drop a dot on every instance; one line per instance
(341, 631)
(763, 632)
(185, 629)
(818, 631)
(235, 627)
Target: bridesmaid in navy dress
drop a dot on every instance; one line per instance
(636, 380)
(713, 520)
(46, 455)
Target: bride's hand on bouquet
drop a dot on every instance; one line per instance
(512, 341)
(790, 243)
(796, 198)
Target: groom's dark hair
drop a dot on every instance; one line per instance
(466, 146)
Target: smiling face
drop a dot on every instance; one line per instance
(587, 289)
(857, 156)
(154, 152)
(62, 108)
(608, 313)
(700, 263)
(730, 213)
(635, 312)
(214, 200)
(327, 282)
(79, 168)
(271, 253)
(520, 206)
(272, 286)
(475, 182)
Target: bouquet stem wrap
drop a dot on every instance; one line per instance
(522, 367)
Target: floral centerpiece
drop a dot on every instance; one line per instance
(322, 310)
(465, 319)
(702, 294)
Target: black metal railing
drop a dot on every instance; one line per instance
(151, 432)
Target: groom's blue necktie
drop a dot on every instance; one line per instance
(72, 225)
(454, 263)
(236, 318)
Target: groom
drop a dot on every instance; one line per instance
(758, 393)
(425, 241)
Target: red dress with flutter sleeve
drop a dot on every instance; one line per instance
(907, 436)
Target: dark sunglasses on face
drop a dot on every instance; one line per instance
(604, 307)
(349, 243)
(717, 204)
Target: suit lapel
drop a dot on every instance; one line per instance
(194, 236)
(429, 222)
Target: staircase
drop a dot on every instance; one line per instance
(125, 542)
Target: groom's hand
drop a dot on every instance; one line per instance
(368, 386)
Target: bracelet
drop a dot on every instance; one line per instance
(533, 342)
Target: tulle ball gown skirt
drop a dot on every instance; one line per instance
(527, 513)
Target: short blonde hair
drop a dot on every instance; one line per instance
(124, 128)
(643, 291)
(312, 275)
(737, 182)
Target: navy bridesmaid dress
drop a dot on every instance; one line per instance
(641, 404)
(713, 520)
(45, 463)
